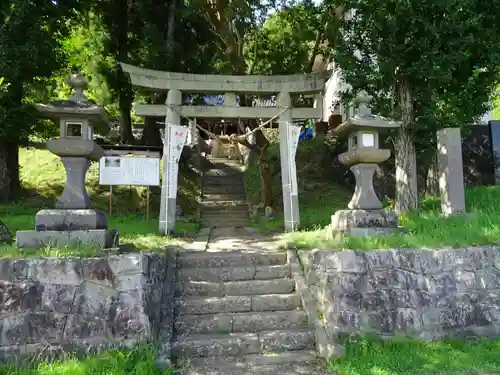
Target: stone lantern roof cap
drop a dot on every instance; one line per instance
(364, 119)
(77, 106)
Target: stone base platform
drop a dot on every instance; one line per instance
(102, 238)
(364, 223)
(70, 220)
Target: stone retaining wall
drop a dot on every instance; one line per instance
(57, 305)
(424, 293)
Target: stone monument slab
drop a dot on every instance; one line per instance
(364, 222)
(70, 220)
(102, 238)
(450, 171)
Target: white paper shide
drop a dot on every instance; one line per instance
(177, 140)
(293, 135)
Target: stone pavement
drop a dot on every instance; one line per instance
(237, 309)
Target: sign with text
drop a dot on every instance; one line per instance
(137, 171)
(293, 141)
(176, 140)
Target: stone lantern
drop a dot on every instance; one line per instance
(365, 215)
(73, 221)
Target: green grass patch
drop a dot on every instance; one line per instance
(320, 197)
(427, 229)
(412, 357)
(140, 361)
(43, 178)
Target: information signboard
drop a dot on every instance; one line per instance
(136, 171)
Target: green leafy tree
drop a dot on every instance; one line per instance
(429, 64)
(30, 52)
(284, 43)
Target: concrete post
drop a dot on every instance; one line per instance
(167, 215)
(290, 198)
(450, 171)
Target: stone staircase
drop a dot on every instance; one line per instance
(223, 203)
(237, 313)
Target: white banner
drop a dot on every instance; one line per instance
(138, 171)
(293, 135)
(177, 139)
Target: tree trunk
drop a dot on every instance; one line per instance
(432, 179)
(151, 134)
(4, 174)
(406, 157)
(126, 135)
(266, 178)
(126, 94)
(13, 167)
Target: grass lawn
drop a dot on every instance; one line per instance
(43, 177)
(319, 198)
(411, 357)
(140, 361)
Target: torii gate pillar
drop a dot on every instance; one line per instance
(167, 211)
(288, 167)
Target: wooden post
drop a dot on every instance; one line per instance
(110, 200)
(147, 203)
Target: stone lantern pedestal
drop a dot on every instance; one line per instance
(365, 215)
(73, 222)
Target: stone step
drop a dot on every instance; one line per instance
(236, 185)
(226, 368)
(226, 167)
(216, 197)
(291, 363)
(235, 179)
(224, 216)
(258, 303)
(237, 344)
(226, 189)
(228, 194)
(223, 199)
(222, 172)
(235, 258)
(241, 322)
(235, 288)
(231, 223)
(226, 219)
(224, 213)
(250, 272)
(224, 161)
(230, 203)
(263, 359)
(221, 207)
(215, 183)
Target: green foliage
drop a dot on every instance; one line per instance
(447, 52)
(403, 356)
(30, 52)
(283, 44)
(140, 361)
(84, 49)
(315, 177)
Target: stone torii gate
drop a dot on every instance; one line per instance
(283, 86)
